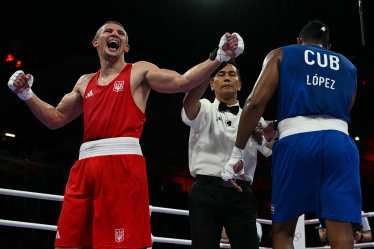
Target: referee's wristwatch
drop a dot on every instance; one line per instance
(362, 236)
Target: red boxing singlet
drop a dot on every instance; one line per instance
(110, 111)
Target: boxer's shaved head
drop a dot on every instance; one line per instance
(316, 32)
(114, 22)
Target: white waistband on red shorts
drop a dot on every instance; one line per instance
(301, 124)
(110, 146)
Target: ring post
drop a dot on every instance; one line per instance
(299, 238)
(150, 211)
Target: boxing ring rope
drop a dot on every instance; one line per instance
(363, 245)
(18, 193)
(316, 221)
(151, 208)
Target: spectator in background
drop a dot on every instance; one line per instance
(362, 233)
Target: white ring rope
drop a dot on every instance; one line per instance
(151, 208)
(54, 228)
(268, 222)
(12, 192)
(362, 245)
(61, 198)
(12, 223)
(168, 210)
(316, 221)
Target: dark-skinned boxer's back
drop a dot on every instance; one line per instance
(315, 81)
(106, 198)
(315, 162)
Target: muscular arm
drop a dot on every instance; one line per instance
(167, 81)
(191, 103)
(70, 107)
(262, 92)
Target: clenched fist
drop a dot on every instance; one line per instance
(21, 84)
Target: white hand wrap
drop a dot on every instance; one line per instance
(241, 172)
(258, 146)
(240, 48)
(264, 124)
(27, 93)
(236, 156)
(222, 56)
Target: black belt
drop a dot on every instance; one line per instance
(218, 181)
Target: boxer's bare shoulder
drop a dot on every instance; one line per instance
(82, 83)
(139, 70)
(275, 55)
(140, 91)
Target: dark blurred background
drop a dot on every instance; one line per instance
(53, 42)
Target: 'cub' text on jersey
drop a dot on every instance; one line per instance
(315, 81)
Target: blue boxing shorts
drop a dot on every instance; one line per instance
(316, 172)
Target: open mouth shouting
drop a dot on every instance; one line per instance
(113, 45)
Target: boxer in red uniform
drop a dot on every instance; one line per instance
(106, 197)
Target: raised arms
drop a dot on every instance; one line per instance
(70, 107)
(191, 103)
(167, 81)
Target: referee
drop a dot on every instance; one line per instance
(212, 138)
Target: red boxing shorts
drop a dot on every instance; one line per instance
(106, 201)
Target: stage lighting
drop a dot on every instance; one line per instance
(9, 58)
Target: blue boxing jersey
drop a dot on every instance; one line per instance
(315, 81)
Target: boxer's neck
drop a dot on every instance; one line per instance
(312, 43)
(111, 67)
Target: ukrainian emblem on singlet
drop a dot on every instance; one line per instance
(118, 86)
(119, 233)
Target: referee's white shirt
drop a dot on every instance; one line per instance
(212, 139)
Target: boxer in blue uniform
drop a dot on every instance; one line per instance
(315, 162)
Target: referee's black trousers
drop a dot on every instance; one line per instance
(212, 206)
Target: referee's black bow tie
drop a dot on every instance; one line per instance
(223, 107)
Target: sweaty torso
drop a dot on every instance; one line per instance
(114, 106)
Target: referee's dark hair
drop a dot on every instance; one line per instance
(232, 62)
(317, 32)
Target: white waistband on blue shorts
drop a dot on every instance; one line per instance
(301, 124)
(110, 146)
